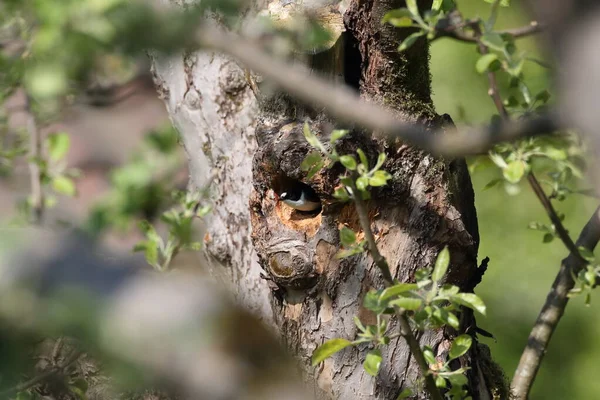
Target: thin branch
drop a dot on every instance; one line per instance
(558, 225)
(417, 353)
(346, 106)
(35, 173)
(456, 32)
(365, 223)
(494, 91)
(381, 263)
(43, 376)
(552, 311)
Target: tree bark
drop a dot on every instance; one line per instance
(256, 146)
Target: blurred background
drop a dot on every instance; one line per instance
(125, 141)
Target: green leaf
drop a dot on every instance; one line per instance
(151, 253)
(404, 394)
(460, 346)
(412, 7)
(363, 158)
(397, 289)
(315, 169)
(440, 382)
(347, 236)
(483, 63)
(429, 356)
(548, 237)
(310, 160)
(399, 18)
(46, 80)
(493, 40)
(371, 302)
(437, 4)
(543, 96)
(63, 185)
(58, 145)
(311, 138)
(362, 183)
(328, 349)
(492, 183)
(359, 324)
(441, 265)
(514, 171)
(380, 178)
(410, 40)
(349, 162)
(380, 160)
(337, 134)
(341, 194)
(470, 300)
(446, 317)
(407, 303)
(373, 362)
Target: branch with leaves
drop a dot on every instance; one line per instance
(426, 304)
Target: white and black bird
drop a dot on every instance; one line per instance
(302, 198)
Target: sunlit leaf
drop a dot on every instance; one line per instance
(328, 349)
(373, 362)
(441, 265)
(460, 346)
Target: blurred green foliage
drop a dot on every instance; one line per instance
(522, 267)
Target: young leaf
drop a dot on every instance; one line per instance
(337, 134)
(460, 346)
(400, 17)
(380, 178)
(437, 4)
(349, 162)
(484, 62)
(407, 303)
(409, 41)
(63, 185)
(310, 160)
(362, 183)
(328, 349)
(58, 145)
(440, 382)
(396, 290)
(373, 362)
(413, 8)
(311, 138)
(363, 158)
(514, 171)
(441, 265)
(470, 300)
(404, 394)
(347, 236)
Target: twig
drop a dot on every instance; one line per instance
(552, 311)
(493, 91)
(42, 377)
(381, 263)
(558, 225)
(35, 173)
(346, 106)
(456, 32)
(363, 217)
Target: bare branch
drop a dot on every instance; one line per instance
(552, 311)
(345, 105)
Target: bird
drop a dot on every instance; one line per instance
(301, 197)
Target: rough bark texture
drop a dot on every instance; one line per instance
(309, 294)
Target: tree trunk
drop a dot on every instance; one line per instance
(257, 146)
